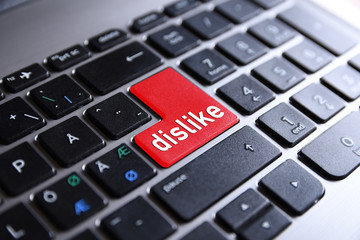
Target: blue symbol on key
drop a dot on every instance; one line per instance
(81, 206)
(131, 175)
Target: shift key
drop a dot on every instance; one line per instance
(209, 177)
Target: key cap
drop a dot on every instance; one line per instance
(148, 21)
(107, 40)
(246, 94)
(286, 124)
(268, 3)
(120, 171)
(173, 40)
(17, 119)
(118, 67)
(25, 77)
(207, 24)
(180, 7)
(117, 116)
(321, 27)
(85, 235)
(345, 81)
(309, 56)
(67, 58)
(243, 209)
(293, 186)
(199, 184)
(208, 66)
(238, 11)
(60, 96)
(19, 223)
(279, 74)
(318, 102)
(242, 48)
(69, 201)
(272, 32)
(190, 118)
(336, 152)
(355, 62)
(70, 141)
(204, 231)
(267, 226)
(137, 220)
(22, 168)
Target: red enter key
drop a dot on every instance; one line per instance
(190, 117)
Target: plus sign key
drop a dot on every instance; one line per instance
(190, 118)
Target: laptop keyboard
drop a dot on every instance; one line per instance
(86, 154)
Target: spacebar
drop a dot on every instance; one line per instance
(199, 184)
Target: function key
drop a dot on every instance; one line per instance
(60, 96)
(207, 24)
(272, 32)
(208, 66)
(238, 11)
(17, 119)
(22, 168)
(69, 201)
(205, 231)
(174, 40)
(25, 77)
(309, 56)
(67, 58)
(19, 223)
(286, 124)
(180, 7)
(345, 81)
(268, 3)
(70, 141)
(137, 220)
(107, 39)
(242, 48)
(148, 21)
(318, 102)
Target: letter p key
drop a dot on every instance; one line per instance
(18, 165)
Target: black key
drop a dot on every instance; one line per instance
(207, 24)
(70, 141)
(67, 58)
(148, 21)
(309, 56)
(118, 67)
(208, 66)
(246, 94)
(69, 201)
(320, 26)
(25, 77)
(85, 235)
(22, 168)
(60, 96)
(318, 102)
(336, 152)
(19, 223)
(293, 186)
(355, 62)
(238, 11)
(286, 124)
(206, 179)
(279, 74)
(117, 116)
(137, 220)
(180, 7)
(268, 3)
(1, 95)
(242, 48)
(267, 226)
(17, 119)
(120, 170)
(345, 81)
(272, 32)
(243, 209)
(107, 39)
(204, 231)
(173, 40)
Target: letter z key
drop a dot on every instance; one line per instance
(190, 117)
